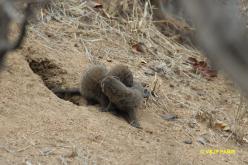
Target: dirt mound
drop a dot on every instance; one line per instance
(37, 127)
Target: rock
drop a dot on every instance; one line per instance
(188, 141)
(192, 124)
(159, 67)
(202, 140)
(46, 151)
(169, 117)
(149, 72)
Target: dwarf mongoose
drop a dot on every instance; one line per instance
(90, 87)
(125, 99)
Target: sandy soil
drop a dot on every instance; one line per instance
(37, 127)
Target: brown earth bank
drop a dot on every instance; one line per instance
(37, 127)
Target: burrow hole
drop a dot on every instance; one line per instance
(52, 76)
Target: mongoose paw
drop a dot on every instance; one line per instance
(136, 124)
(114, 112)
(104, 110)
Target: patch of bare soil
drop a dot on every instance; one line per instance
(37, 127)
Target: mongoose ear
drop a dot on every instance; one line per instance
(118, 78)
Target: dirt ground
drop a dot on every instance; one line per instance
(37, 127)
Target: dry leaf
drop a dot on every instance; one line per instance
(192, 60)
(95, 4)
(221, 125)
(138, 47)
(202, 67)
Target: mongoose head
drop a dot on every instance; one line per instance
(109, 82)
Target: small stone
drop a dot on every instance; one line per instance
(169, 117)
(139, 48)
(188, 141)
(159, 67)
(109, 59)
(143, 62)
(46, 151)
(149, 72)
(192, 124)
(149, 131)
(28, 162)
(202, 140)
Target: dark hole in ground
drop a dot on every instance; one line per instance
(52, 76)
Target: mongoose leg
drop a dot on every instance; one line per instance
(111, 108)
(91, 102)
(132, 119)
(104, 102)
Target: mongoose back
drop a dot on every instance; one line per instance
(123, 73)
(90, 85)
(126, 99)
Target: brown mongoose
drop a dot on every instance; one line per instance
(125, 99)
